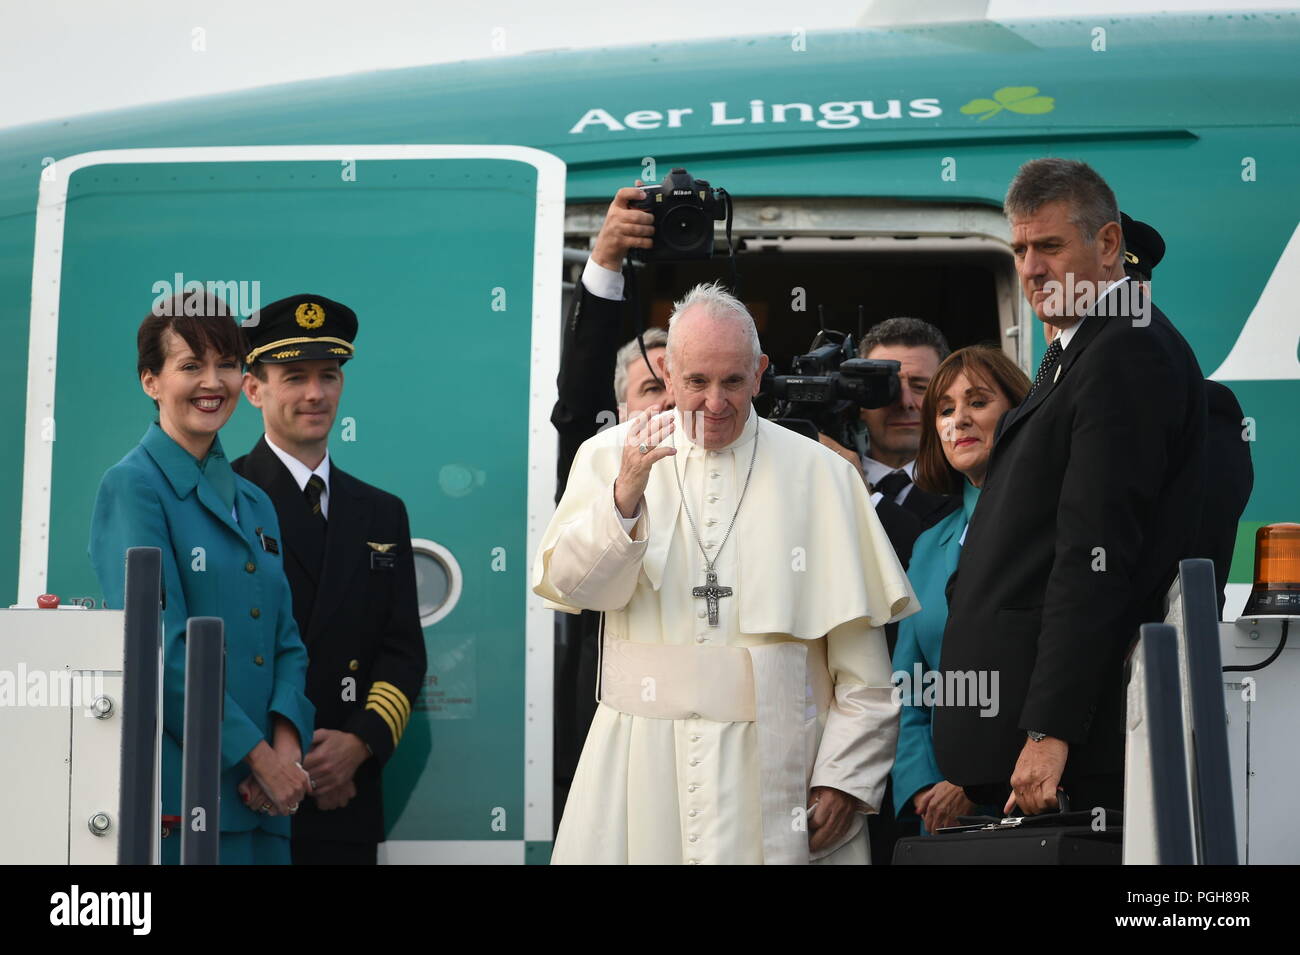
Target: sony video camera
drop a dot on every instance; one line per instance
(829, 385)
(685, 209)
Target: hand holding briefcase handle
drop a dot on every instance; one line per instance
(1051, 838)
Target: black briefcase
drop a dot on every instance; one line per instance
(1063, 838)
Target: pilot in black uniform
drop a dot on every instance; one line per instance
(348, 559)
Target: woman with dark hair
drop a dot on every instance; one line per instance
(969, 392)
(220, 558)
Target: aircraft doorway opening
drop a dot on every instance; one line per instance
(948, 265)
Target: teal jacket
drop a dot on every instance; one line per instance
(157, 496)
(934, 558)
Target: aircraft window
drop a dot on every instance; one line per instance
(438, 580)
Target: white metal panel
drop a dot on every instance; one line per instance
(1271, 773)
(1139, 808)
(51, 647)
(34, 761)
(96, 771)
(1237, 710)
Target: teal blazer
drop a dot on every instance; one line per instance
(934, 558)
(157, 496)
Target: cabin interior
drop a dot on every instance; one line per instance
(847, 267)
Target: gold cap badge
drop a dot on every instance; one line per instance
(310, 315)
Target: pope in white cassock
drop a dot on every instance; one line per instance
(746, 710)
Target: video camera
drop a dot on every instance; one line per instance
(828, 387)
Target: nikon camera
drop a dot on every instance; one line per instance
(685, 209)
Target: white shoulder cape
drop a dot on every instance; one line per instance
(812, 554)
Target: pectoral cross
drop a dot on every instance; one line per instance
(711, 592)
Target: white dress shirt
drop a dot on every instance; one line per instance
(602, 282)
(301, 473)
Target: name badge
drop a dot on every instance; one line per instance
(380, 561)
(269, 544)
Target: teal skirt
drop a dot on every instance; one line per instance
(254, 847)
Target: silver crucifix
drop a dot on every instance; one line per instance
(711, 592)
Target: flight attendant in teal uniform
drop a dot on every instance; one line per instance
(971, 390)
(220, 558)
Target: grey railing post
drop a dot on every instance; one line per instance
(141, 657)
(205, 688)
(1163, 708)
(1216, 828)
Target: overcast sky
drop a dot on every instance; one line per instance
(64, 57)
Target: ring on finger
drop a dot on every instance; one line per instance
(643, 448)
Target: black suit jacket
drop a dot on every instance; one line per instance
(359, 620)
(592, 338)
(1093, 494)
(1229, 480)
(930, 508)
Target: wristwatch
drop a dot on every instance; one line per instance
(1036, 736)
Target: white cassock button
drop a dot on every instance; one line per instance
(693, 813)
(715, 474)
(691, 788)
(692, 861)
(701, 639)
(696, 739)
(702, 614)
(692, 838)
(695, 762)
(712, 499)
(694, 716)
(710, 522)
(710, 545)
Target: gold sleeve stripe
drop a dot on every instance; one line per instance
(377, 700)
(393, 693)
(386, 699)
(384, 710)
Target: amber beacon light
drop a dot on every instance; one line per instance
(1276, 592)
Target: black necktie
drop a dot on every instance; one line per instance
(315, 487)
(1050, 358)
(892, 484)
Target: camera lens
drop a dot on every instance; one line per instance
(683, 229)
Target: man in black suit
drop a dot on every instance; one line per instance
(1229, 481)
(349, 564)
(1093, 494)
(1230, 475)
(894, 431)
